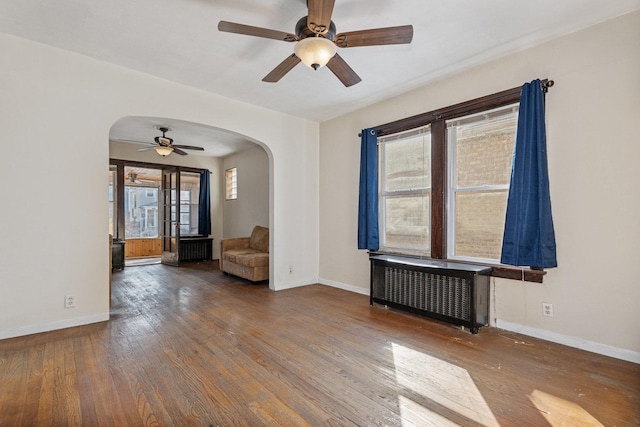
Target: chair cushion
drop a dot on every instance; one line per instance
(232, 254)
(260, 259)
(259, 239)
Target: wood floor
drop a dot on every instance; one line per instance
(190, 346)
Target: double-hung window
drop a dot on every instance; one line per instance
(480, 151)
(444, 180)
(405, 196)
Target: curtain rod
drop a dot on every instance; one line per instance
(424, 118)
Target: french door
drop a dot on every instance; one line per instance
(170, 230)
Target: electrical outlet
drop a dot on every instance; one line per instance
(69, 301)
(547, 309)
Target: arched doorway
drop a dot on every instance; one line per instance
(129, 139)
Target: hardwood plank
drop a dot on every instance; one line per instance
(190, 345)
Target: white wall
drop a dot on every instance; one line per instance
(123, 151)
(251, 208)
(593, 123)
(57, 108)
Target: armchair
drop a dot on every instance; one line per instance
(247, 257)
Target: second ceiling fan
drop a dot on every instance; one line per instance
(164, 145)
(316, 41)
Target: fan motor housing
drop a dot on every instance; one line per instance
(303, 31)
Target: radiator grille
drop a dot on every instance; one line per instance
(444, 295)
(195, 250)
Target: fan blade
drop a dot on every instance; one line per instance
(375, 37)
(187, 147)
(343, 72)
(319, 16)
(248, 30)
(179, 151)
(147, 148)
(283, 68)
(136, 142)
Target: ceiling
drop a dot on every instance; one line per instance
(216, 142)
(178, 40)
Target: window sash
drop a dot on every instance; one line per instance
(385, 195)
(453, 188)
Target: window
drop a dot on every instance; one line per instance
(112, 201)
(444, 179)
(406, 190)
(231, 179)
(189, 200)
(136, 202)
(480, 149)
(141, 212)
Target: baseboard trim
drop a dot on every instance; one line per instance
(52, 326)
(344, 286)
(582, 344)
(292, 285)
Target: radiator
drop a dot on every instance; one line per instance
(195, 249)
(453, 292)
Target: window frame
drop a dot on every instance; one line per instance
(452, 190)
(385, 194)
(439, 170)
(231, 183)
(118, 165)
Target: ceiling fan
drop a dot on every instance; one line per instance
(316, 41)
(164, 145)
(133, 178)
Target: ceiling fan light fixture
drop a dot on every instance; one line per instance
(164, 151)
(315, 52)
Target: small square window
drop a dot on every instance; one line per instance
(231, 179)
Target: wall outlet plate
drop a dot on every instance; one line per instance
(547, 309)
(69, 301)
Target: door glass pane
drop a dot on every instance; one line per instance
(112, 201)
(189, 200)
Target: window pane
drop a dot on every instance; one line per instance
(231, 184)
(484, 148)
(189, 200)
(407, 222)
(112, 202)
(407, 163)
(141, 211)
(480, 223)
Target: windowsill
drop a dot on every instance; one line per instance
(142, 238)
(497, 270)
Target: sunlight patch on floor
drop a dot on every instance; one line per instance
(561, 412)
(414, 414)
(443, 386)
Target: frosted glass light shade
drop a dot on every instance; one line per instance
(164, 151)
(315, 52)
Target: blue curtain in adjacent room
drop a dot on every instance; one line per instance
(529, 238)
(204, 207)
(368, 237)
